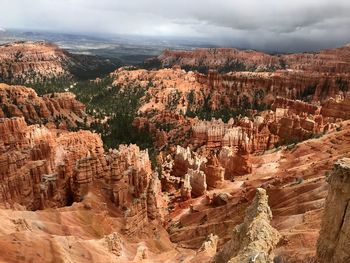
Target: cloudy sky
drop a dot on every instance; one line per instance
(279, 25)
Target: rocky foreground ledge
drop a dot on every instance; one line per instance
(254, 239)
(334, 242)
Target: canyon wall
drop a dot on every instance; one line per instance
(195, 93)
(42, 168)
(57, 110)
(39, 62)
(38, 166)
(335, 60)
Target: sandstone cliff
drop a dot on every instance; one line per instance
(134, 188)
(41, 168)
(189, 92)
(255, 238)
(302, 104)
(38, 62)
(334, 242)
(38, 165)
(220, 58)
(58, 110)
(231, 59)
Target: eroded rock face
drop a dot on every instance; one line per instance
(29, 62)
(219, 58)
(234, 163)
(336, 108)
(215, 173)
(198, 182)
(57, 110)
(135, 189)
(255, 238)
(230, 59)
(334, 241)
(131, 174)
(288, 121)
(207, 250)
(20, 60)
(186, 188)
(41, 168)
(189, 92)
(185, 159)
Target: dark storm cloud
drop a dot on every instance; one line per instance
(270, 25)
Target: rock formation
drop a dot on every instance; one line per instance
(214, 172)
(38, 165)
(134, 188)
(255, 238)
(40, 168)
(219, 58)
(334, 241)
(263, 131)
(184, 160)
(191, 93)
(207, 250)
(230, 59)
(198, 182)
(217, 138)
(36, 62)
(58, 109)
(336, 108)
(234, 163)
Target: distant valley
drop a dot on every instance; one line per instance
(128, 50)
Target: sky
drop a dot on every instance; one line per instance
(274, 25)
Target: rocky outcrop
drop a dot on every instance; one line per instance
(336, 108)
(60, 110)
(253, 240)
(191, 93)
(334, 241)
(214, 172)
(130, 175)
(198, 182)
(184, 160)
(35, 62)
(38, 165)
(186, 188)
(234, 163)
(220, 199)
(135, 189)
(216, 134)
(230, 59)
(222, 59)
(263, 132)
(207, 250)
(296, 106)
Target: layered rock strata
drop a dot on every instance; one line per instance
(41, 168)
(58, 110)
(335, 60)
(38, 62)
